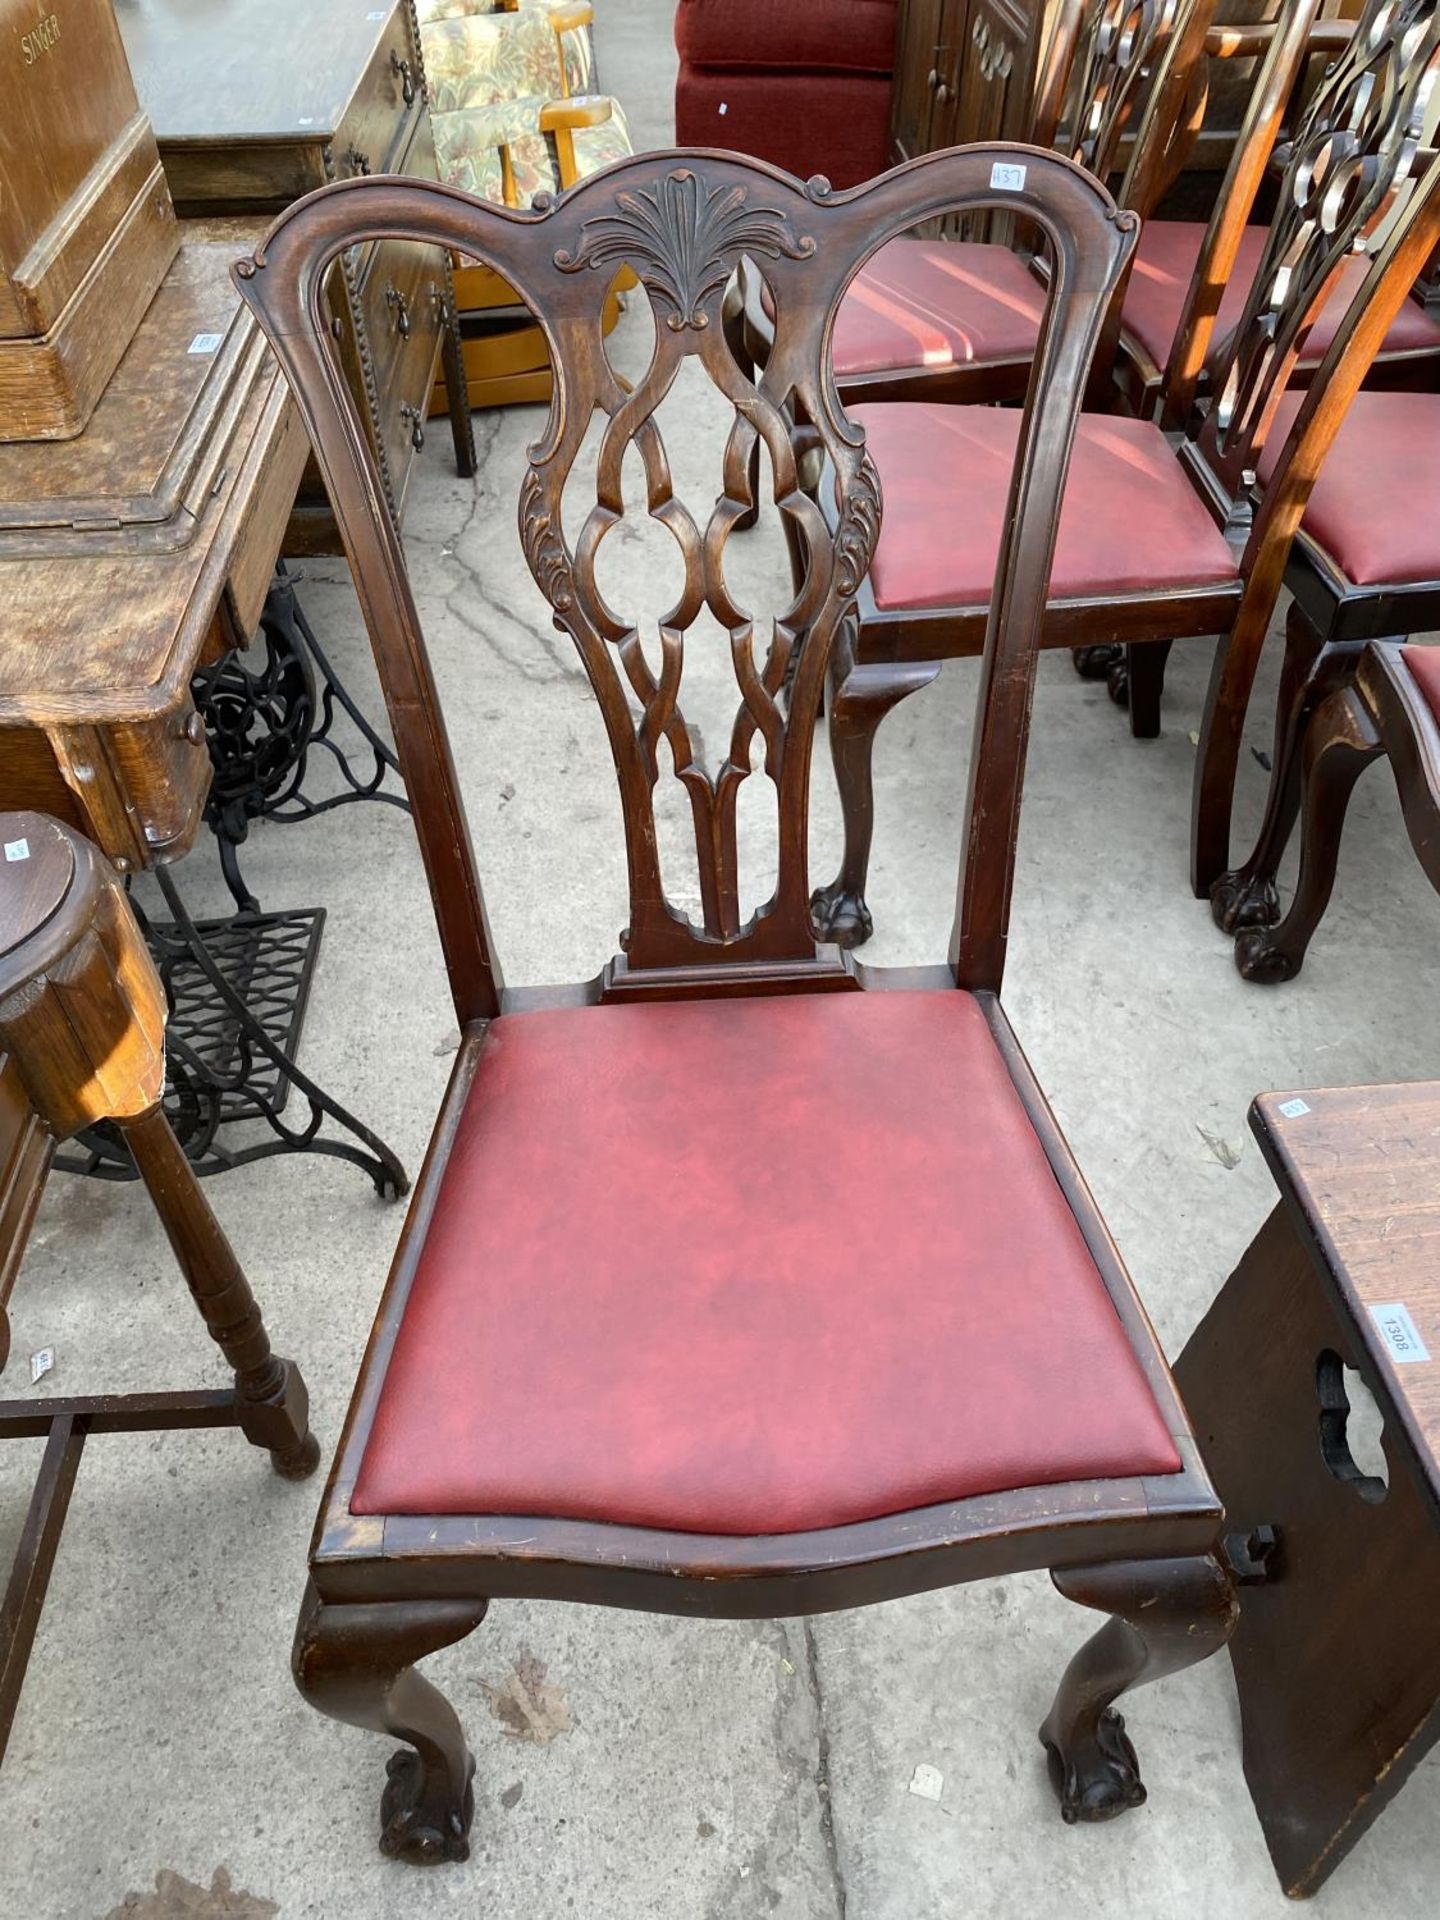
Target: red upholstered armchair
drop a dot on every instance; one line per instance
(802, 83)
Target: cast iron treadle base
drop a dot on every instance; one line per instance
(268, 961)
(272, 713)
(237, 991)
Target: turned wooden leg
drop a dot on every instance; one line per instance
(1246, 896)
(1166, 1614)
(1142, 685)
(1340, 743)
(355, 1662)
(860, 698)
(274, 1403)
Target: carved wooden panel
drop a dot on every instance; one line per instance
(684, 226)
(1120, 48)
(1353, 150)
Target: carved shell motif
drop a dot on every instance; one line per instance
(684, 239)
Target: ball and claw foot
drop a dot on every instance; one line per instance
(416, 1823)
(1100, 1779)
(840, 916)
(1259, 961)
(297, 1462)
(1094, 663)
(1237, 902)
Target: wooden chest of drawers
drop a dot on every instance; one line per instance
(86, 225)
(245, 125)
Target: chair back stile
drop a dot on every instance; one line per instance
(683, 223)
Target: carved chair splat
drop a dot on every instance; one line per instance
(1158, 545)
(673, 1475)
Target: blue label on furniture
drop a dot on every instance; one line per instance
(1399, 1332)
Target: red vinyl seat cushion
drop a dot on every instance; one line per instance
(1130, 520)
(933, 303)
(751, 1267)
(854, 36)
(1165, 260)
(1372, 505)
(1424, 665)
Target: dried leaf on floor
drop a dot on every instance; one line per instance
(1220, 1149)
(527, 1705)
(176, 1898)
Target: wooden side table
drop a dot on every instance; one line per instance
(82, 1038)
(1337, 1651)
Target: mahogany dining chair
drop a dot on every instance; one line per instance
(624, 1357)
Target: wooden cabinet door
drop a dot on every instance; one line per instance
(917, 76)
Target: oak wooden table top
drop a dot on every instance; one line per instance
(115, 547)
(137, 552)
(1360, 1170)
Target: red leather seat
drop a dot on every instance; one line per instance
(751, 1267)
(1424, 665)
(1165, 260)
(932, 303)
(929, 303)
(1130, 519)
(1372, 508)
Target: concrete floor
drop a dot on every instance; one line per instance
(723, 1771)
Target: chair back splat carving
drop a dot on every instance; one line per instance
(1353, 151)
(683, 223)
(1127, 67)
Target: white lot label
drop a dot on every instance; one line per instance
(1292, 1109)
(1005, 177)
(17, 849)
(41, 1363)
(205, 343)
(1399, 1332)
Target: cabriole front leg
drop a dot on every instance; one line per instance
(1246, 896)
(1166, 1615)
(860, 698)
(355, 1662)
(1340, 743)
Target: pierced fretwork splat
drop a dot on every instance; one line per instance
(684, 240)
(1119, 50)
(1353, 150)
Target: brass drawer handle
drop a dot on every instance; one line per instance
(396, 300)
(417, 430)
(401, 68)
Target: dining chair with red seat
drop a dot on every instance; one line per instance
(957, 319)
(1156, 543)
(1364, 567)
(639, 1346)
